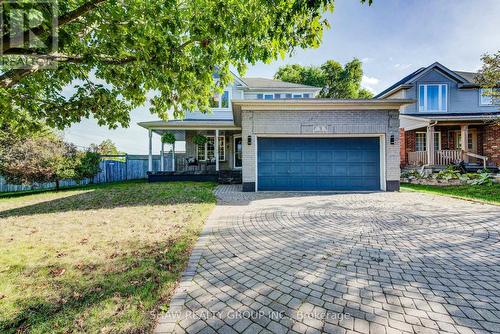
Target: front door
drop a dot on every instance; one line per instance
(471, 142)
(238, 152)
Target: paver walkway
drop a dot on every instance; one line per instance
(337, 263)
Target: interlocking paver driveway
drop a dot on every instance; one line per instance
(337, 263)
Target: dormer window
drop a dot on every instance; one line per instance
(220, 101)
(433, 98)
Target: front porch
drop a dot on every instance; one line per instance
(441, 143)
(218, 157)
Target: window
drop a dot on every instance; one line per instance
(421, 141)
(260, 96)
(485, 97)
(305, 96)
(288, 96)
(458, 141)
(220, 101)
(207, 151)
(277, 96)
(297, 96)
(433, 98)
(268, 96)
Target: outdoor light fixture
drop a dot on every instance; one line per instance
(249, 140)
(392, 139)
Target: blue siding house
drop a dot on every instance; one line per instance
(452, 119)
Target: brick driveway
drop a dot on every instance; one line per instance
(337, 263)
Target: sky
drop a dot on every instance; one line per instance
(392, 38)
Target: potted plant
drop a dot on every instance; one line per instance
(168, 138)
(199, 139)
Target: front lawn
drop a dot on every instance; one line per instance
(98, 259)
(485, 193)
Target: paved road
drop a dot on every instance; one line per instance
(342, 263)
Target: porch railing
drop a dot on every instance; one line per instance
(441, 157)
(417, 158)
(447, 157)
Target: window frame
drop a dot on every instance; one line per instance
(481, 97)
(441, 102)
(219, 104)
(222, 146)
(437, 134)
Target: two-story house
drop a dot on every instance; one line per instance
(452, 120)
(277, 135)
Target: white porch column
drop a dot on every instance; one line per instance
(216, 147)
(162, 157)
(464, 141)
(430, 145)
(150, 156)
(173, 157)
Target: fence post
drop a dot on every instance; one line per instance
(126, 166)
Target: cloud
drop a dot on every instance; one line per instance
(402, 66)
(368, 82)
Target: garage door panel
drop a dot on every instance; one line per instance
(280, 155)
(324, 155)
(318, 164)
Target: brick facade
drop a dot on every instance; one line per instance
(491, 143)
(488, 141)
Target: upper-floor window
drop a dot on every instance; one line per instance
(277, 96)
(485, 97)
(433, 97)
(221, 101)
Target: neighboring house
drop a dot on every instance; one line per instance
(277, 136)
(452, 119)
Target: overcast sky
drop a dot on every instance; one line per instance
(392, 38)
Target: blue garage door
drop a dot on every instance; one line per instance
(318, 164)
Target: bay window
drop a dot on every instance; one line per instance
(433, 98)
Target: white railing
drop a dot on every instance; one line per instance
(477, 156)
(447, 157)
(417, 158)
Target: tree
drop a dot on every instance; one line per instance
(489, 75)
(336, 81)
(489, 78)
(106, 147)
(39, 158)
(114, 52)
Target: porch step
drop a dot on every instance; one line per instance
(230, 177)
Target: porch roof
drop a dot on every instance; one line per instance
(191, 124)
(411, 122)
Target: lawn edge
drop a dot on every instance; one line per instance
(470, 199)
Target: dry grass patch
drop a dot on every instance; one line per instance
(96, 259)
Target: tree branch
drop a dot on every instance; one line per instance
(8, 43)
(10, 78)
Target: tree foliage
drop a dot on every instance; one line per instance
(43, 157)
(336, 81)
(106, 147)
(489, 75)
(113, 52)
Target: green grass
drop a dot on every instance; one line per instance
(97, 259)
(490, 194)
